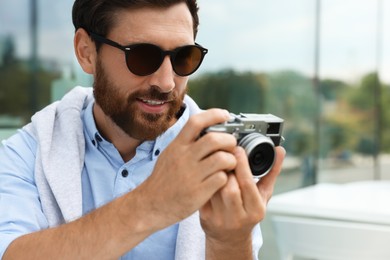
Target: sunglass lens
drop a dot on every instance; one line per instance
(187, 60)
(143, 59)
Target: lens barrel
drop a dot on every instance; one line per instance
(260, 151)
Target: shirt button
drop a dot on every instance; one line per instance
(125, 173)
(157, 152)
(98, 138)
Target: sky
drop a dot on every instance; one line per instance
(256, 35)
(275, 34)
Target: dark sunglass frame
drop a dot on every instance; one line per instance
(163, 53)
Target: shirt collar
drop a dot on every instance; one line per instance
(167, 137)
(90, 125)
(155, 146)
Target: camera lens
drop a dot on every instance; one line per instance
(260, 151)
(261, 159)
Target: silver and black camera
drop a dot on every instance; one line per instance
(258, 134)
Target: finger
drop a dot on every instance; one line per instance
(212, 185)
(266, 183)
(250, 193)
(216, 201)
(227, 202)
(243, 171)
(231, 195)
(198, 122)
(212, 142)
(218, 161)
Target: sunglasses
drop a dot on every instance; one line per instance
(143, 59)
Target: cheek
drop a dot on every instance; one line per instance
(121, 77)
(181, 85)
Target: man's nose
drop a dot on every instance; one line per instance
(163, 78)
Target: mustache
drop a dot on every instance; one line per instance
(153, 93)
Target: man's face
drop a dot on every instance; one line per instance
(143, 106)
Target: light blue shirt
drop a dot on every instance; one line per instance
(105, 177)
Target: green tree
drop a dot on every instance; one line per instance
(362, 108)
(386, 118)
(291, 94)
(331, 89)
(236, 92)
(14, 89)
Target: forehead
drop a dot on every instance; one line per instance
(154, 25)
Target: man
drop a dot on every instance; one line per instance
(122, 172)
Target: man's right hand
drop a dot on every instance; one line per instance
(189, 171)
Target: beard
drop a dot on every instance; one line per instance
(125, 113)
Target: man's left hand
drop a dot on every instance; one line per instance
(229, 217)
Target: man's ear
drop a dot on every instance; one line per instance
(85, 51)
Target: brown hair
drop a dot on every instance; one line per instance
(98, 16)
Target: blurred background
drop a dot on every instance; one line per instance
(323, 66)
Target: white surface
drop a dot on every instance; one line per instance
(367, 202)
(331, 240)
(334, 221)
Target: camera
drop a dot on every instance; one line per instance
(258, 134)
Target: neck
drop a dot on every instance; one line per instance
(125, 144)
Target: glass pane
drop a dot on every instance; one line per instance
(37, 63)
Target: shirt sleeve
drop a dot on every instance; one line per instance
(20, 208)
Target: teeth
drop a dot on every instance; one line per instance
(153, 102)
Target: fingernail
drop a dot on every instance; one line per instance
(226, 113)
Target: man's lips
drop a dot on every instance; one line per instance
(152, 102)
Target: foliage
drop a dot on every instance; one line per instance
(237, 92)
(291, 94)
(15, 89)
(363, 104)
(345, 109)
(331, 89)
